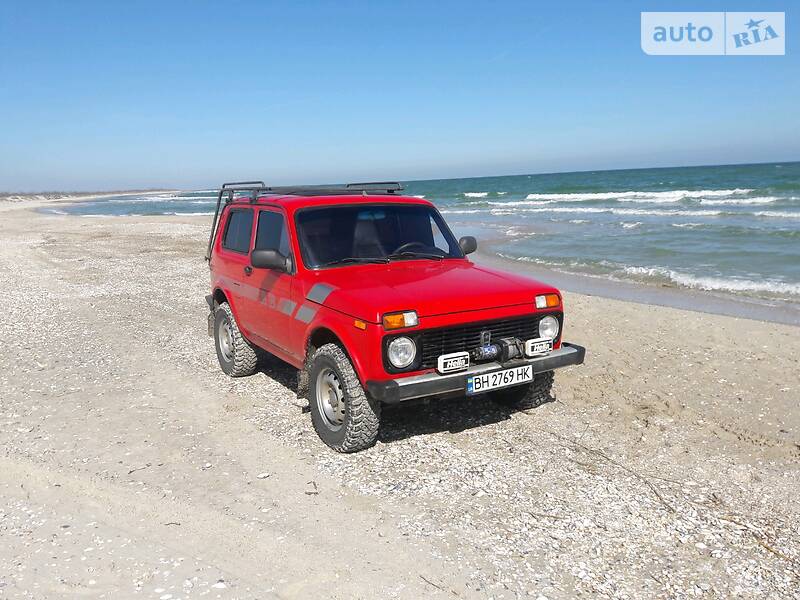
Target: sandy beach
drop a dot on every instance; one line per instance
(133, 467)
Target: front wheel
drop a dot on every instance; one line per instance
(237, 357)
(344, 417)
(531, 395)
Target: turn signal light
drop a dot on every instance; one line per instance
(547, 301)
(400, 320)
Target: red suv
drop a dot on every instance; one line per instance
(370, 296)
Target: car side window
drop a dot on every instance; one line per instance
(272, 233)
(238, 230)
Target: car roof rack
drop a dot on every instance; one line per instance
(258, 188)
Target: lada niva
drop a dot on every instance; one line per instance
(368, 293)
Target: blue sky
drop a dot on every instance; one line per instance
(110, 95)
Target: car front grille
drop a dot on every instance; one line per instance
(459, 338)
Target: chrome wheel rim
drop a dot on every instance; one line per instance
(225, 340)
(330, 398)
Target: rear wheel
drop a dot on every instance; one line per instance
(236, 356)
(532, 395)
(344, 417)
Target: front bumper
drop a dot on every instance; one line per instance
(393, 391)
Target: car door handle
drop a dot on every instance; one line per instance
(248, 270)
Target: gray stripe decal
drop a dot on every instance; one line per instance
(319, 292)
(306, 313)
(286, 306)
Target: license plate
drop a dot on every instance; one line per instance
(477, 384)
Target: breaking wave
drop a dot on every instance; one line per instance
(735, 201)
(614, 211)
(723, 284)
(633, 196)
(777, 214)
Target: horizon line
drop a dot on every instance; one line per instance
(162, 188)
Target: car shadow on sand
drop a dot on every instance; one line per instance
(438, 415)
(403, 421)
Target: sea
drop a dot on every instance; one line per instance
(730, 230)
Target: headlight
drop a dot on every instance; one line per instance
(401, 352)
(548, 327)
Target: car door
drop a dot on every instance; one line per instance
(275, 304)
(234, 264)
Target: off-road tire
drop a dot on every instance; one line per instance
(532, 395)
(245, 359)
(362, 414)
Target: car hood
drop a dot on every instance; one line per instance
(428, 287)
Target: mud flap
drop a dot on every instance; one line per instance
(210, 301)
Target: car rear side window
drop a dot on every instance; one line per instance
(238, 230)
(272, 234)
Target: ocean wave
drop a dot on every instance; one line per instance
(631, 225)
(734, 201)
(688, 225)
(187, 214)
(515, 232)
(476, 194)
(604, 269)
(161, 198)
(632, 196)
(777, 214)
(721, 284)
(614, 211)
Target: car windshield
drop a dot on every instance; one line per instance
(339, 235)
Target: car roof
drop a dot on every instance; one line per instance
(294, 202)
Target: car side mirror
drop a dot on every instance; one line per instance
(269, 259)
(468, 244)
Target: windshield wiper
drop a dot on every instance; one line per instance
(411, 254)
(356, 260)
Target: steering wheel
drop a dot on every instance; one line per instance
(409, 246)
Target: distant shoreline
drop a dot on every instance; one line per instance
(10, 200)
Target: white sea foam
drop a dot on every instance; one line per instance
(476, 194)
(162, 198)
(579, 221)
(619, 272)
(631, 225)
(514, 232)
(735, 201)
(632, 196)
(716, 283)
(188, 214)
(615, 211)
(777, 214)
(687, 225)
